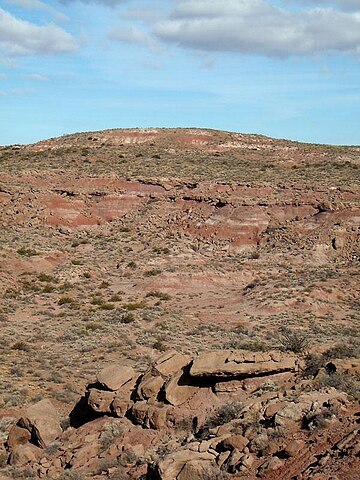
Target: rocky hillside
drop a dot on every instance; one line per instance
(121, 245)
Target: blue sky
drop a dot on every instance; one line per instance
(288, 69)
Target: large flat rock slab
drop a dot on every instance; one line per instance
(115, 376)
(231, 364)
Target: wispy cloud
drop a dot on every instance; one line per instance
(35, 77)
(135, 36)
(16, 91)
(20, 37)
(38, 5)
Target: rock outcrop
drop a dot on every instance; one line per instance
(191, 418)
(225, 364)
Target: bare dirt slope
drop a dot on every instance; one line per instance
(123, 244)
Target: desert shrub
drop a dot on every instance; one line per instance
(21, 345)
(3, 459)
(65, 423)
(112, 430)
(27, 252)
(347, 350)
(294, 341)
(342, 382)
(66, 301)
(160, 295)
(107, 306)
(127, 318)
(134, 306)
(115, 298)
(44, 277)
(161, 250)
(76, 262)
(313, 363)
(224, 414)
(92, 326)
(48, 288)
(152, 273)
(160, 346)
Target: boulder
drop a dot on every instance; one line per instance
(292, 412)
(187, 465)
(150, 415)
(24, 454)
(17, 436)
(121, 405)
(294, 447)
(164, 368)
(114, 377)
(100, 400)
(274, 463)
(150, 385)
(233, 364)
(170, 363)
(43, 422)
(177, 391)
(273, 408)
(235, 442)
(199, 470)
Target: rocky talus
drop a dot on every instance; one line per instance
(221, 414)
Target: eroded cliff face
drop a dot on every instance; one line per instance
(131, 242)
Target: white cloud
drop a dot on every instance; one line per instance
(135, 36)
(38, 5)
(16, 91)
(19, 37)
(3, 76)
(35, 77)
(258, 27)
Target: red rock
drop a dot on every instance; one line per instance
(230, 364)
(100, 400)
(43, 422)
(273, 408)
(17, 436)
(294, 447)
(176, 390)
(25, 454)
(114, 377)
(235, 442)
(120, 406)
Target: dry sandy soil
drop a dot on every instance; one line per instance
(117, 246)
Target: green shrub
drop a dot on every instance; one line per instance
(134, 306)
(152, 273)
(27, 252)
(160, 346)
(44, 277)
(127, 318)
(294, 341)
(21, 345)
(225, 413)
(160, 295)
